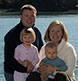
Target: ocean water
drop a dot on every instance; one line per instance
(42, 22)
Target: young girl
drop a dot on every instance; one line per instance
(52, 59)
(26, 53)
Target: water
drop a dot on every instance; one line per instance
(42, 22)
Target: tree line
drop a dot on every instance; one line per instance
(41, 5)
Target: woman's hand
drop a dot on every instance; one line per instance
(46, 69)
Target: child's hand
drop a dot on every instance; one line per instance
(56, 69)
(25, 63)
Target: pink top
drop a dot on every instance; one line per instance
(23, 53)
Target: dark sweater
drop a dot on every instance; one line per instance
(11, 40)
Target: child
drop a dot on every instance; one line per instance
(52, 59)
(26, 53)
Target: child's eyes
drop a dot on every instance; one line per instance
(49, 53)
(52, 31)
(27, 37)
(52, 53)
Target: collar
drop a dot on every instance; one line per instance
(61, 45)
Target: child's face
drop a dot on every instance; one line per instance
(50, 53)
(27, 39)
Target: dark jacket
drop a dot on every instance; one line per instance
(11, 40)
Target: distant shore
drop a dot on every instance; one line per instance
(4, 12)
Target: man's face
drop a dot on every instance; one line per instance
(28, 18)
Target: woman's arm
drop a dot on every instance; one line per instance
(10, 44)
(70, 60)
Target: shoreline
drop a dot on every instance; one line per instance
(3, 12)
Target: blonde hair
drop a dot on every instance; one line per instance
(27, 31)
(52, 24)
(28, 7)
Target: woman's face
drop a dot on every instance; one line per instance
(56, 34)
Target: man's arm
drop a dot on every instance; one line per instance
(9, 47)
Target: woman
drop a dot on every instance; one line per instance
(57, 33)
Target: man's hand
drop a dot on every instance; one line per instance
(30, 68)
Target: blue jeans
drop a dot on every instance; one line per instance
(8, 76)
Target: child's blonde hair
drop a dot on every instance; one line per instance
(27, 31)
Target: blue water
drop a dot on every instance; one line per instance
(42, 22)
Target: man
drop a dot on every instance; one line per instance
(12, 39)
